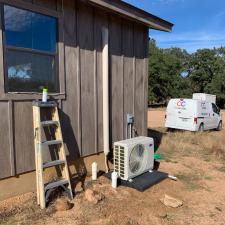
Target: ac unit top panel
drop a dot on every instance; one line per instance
(134, 141)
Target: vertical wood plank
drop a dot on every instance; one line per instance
(61, 55)
(11, 137)
(70, 115)
(146, 62)
(140, 107)
(24, 140)
(2, 88)
(101, 20)
(59, 5)
(5, 154)
(86, 42)
(95, 101)
(129, 72)
(116, 79)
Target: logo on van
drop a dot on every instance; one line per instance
(203, 105)
(181, 103)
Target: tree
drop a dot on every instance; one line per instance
(174, 73)
(202, 69)
(165, 69)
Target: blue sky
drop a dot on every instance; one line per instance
(197, 23)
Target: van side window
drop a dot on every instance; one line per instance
(215, 109)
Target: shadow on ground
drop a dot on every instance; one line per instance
(157, 136)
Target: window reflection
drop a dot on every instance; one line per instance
(30, 72)
(22, 71)
(29, 30)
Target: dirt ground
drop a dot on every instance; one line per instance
(198, 161)
(156, 118)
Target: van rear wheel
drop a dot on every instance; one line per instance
(201, 127)
(220, 126)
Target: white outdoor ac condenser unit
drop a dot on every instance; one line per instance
(133, 157)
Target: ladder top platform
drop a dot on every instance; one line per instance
(45, 104)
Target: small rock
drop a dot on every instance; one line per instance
(104, 180)
(163, 215)
(79, 187)
(218, 208)
(171, 202)
(62, 204)
(93, 196)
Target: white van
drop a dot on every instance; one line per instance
(197, 114)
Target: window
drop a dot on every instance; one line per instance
(215, 109)
(30, 51)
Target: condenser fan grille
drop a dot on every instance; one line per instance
(136, 158)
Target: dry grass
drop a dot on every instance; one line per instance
(189, 149)
(208, 145)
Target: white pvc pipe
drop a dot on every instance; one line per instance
(114, 178)
(172, 177)
(94, 168)
(105, 83)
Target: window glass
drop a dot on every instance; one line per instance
(28, 72)
(215, 108)
(30, 55)
(27, 29)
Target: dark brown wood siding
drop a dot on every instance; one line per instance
(81, 78)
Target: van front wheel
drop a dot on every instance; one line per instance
(201, 127)
(220, 126)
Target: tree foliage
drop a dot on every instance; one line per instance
(174, 73)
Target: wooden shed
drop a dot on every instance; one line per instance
(58, 43)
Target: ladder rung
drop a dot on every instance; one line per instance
(49, 123)
(53, 163)
(53, 142)
(56, 184)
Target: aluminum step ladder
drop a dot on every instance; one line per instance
(46, 116)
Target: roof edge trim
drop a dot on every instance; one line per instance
(134, 13)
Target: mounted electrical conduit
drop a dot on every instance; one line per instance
(105, 83)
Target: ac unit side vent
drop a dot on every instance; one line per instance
(119, 160)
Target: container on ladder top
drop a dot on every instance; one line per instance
(45, 95)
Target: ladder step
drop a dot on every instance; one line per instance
(56, 184)
(53, 163)
(49, 123)
(53, 142)
(48, 104)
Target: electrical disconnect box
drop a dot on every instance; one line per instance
(130, 124)
(130, 119)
